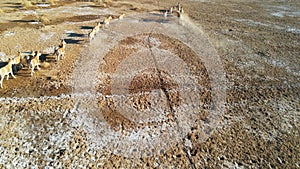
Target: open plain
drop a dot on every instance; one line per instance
(217, 87)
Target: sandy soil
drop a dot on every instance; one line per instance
(216, 88)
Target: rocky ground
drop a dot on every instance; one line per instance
(216, 88)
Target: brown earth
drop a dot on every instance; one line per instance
(259, 53)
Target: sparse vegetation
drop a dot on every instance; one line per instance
(30, 3)
(26, 3)
(101, 3)
(52, 2)
(44, 19)
(255, 50)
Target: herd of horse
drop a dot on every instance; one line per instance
(32, 61)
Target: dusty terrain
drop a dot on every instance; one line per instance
(216, 88)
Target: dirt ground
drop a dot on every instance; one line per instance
(68, 115)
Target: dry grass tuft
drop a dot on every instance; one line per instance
(108, 2)
(52, 2)
(137, 8)
(45, 65)
(44, 19)
(1, 11)
(101, 3)
(29, 3)
(26, 3)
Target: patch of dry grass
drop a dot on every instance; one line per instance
(52, 2)
(29, 3)
(101, 3)
(26, 3)
(44, 19)
(1, 11)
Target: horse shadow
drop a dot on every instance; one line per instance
(86, 27)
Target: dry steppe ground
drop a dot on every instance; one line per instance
(257, 43)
